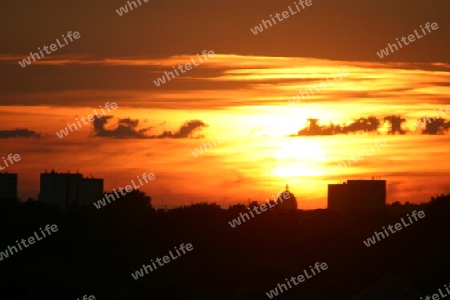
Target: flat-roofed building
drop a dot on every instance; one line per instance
(8, 186)
(69, 190)
(91, 190)
(356, 195)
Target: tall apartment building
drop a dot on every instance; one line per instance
(67, 190)
(91, 189)
(357, 195)
(8, 186)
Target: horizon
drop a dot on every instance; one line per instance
(249, 200)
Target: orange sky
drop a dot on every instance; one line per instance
(248, 83)
(257, 163)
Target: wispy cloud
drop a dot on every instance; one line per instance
(19, 133)
(227, 81)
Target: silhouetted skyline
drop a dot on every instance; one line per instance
(292, 149)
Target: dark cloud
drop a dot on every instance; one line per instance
(396, 124)
(435, 126)
(185, 131)
(431, 126)
(127, 128)
(370, 125)
(128, 121)
(19, 133)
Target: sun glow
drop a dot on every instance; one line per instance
(299, 158)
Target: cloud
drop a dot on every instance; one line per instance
(19, 133)
(435, 126)
(221, 82)
(127, 128)
(128, 121)
(396, 124)
(185, 131)
(369, 125)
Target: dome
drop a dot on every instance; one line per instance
(287, 200)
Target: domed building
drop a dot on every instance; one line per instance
(287, 200)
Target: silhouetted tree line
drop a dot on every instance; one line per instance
(95, 251)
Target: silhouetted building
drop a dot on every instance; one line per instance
(91, 189)
(8, 186)
(288, 203)
(357, 195)
(69, 190)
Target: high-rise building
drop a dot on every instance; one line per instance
(356, 195)
(8, 186)
(91, 190)
(69, 190)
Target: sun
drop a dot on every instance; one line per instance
(299, 157)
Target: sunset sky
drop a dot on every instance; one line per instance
(247, 84)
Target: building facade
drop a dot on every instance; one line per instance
(8, 186)
(357, 195)
(67, 190)
(91, 189)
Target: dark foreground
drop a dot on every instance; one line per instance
(94, 252)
